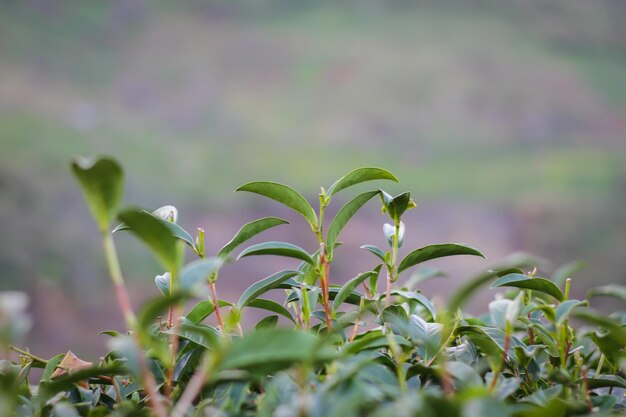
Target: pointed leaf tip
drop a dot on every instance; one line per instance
(279, 249)
(436, 251)
(358, 176)
(285, 195)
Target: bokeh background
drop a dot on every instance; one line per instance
(505, 119)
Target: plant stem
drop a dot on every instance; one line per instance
(394, 259)
(531, 333)
(388, 290)
(324, 264)
(305, 317)
(355, 329)
(194, 386)
(507, 344)
(599, 368)
(586, 388)
(131, 321)
(218, 315)
(30, 355)
(324, 285)
(118, 281)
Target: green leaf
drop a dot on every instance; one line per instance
(48, 389)
(176, 230)
(564, 309)
(64, 410)
(565, 271)
(349, 286)
(200, 334)
(157, 306)
(376, 251)
(204, 309)
(358, 176)
(248, 231)
(485, 407)
(344, 215)
(278, 249)
(163, 283)
(419, 298)
(264, 285)
(179, 232)
(112, 333)
(489, 339)
(436, 251)
(267, 322)
(270, 350)
(536, 284)
(510, 265)
(187, 363)
(605, 381)
(102, 182)
(616, 331)
(51, 366)
(285, 195)
(611, 290)
(270, 305)
(157, 235)
(396, 206)
(423, 274)
(198, 272)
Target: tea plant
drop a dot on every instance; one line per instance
(374, 346)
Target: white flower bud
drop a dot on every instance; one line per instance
(169, 213)
(390, 230)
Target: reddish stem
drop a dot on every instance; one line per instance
(220, 323)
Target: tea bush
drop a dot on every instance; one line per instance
(375, 346)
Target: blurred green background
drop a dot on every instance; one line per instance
(505, 119)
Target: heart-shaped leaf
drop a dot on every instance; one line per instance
(248, 231)
(285, 195)
(436, 251)
(279, 249)
(358, 176)
(102, 181)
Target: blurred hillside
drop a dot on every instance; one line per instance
(507, 121)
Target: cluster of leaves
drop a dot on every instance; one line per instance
(374, 346)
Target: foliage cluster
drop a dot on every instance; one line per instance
(374, 346)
